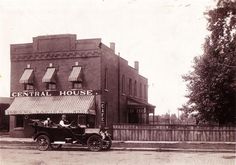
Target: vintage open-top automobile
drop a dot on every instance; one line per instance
(55, 136)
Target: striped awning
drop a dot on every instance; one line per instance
(52, 105)
(27, 76)
(75, 74)
(49, 75)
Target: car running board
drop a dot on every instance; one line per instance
(62, 142)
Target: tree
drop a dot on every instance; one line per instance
(212, 83)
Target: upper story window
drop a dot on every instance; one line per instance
(123, 84)
(28, 87)
(140, 90)
(51, 86)
(27, 79)
(50, 78)
(135, 88)
(76, 85)
(130, 86)
(75, 77)
(145, 91)
(106, 79)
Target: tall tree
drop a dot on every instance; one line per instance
(212, 83)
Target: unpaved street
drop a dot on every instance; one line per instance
(83, 157)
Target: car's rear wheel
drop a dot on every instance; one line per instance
(94, 143)
(43, 142)
(56, 146)
(107, 142)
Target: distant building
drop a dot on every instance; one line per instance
(85, 79)
(4, 120)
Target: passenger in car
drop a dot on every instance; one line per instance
(47, 123)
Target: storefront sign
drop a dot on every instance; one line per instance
(55, 93)
(103, 113)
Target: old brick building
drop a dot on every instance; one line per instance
(85, 79)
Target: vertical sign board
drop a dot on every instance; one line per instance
(103, 114)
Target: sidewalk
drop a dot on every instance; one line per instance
(29, 143)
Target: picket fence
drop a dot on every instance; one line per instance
(174, 133)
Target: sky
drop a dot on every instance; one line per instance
(163, 35)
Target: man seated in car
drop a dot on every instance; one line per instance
(64, 122)
(47, 123)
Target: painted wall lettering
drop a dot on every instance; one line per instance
(55, 93)
(103, 113)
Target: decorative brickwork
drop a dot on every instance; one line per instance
(55, 55)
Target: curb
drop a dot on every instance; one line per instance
(173, 150)
(32, 146)
(67, 148)
(158, 146)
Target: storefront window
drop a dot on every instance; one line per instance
(137, 115)
(82, 119)
(91, 121)
(133, 117)
(86, 120)
(19, 121)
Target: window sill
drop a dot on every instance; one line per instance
(28, 90)
(49, 90)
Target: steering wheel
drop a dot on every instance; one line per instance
(71, 123)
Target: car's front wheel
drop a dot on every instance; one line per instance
(94, 143)
(43, 142)
(107, 142)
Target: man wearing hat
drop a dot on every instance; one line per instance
(64, 122)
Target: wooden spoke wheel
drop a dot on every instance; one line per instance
(43, 142)
(94, 143)
(107, 142)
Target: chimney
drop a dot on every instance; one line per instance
(113, 46)
(136, 65)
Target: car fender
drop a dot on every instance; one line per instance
(41, 133)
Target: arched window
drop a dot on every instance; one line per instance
(130, 86)
(135, 88)
(140, 90)
(123, 84)
(106, 79)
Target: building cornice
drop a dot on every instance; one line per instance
(55, 55)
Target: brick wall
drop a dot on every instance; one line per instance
(62, 51)
(110, 95)
(90, 73)
(110, 61)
